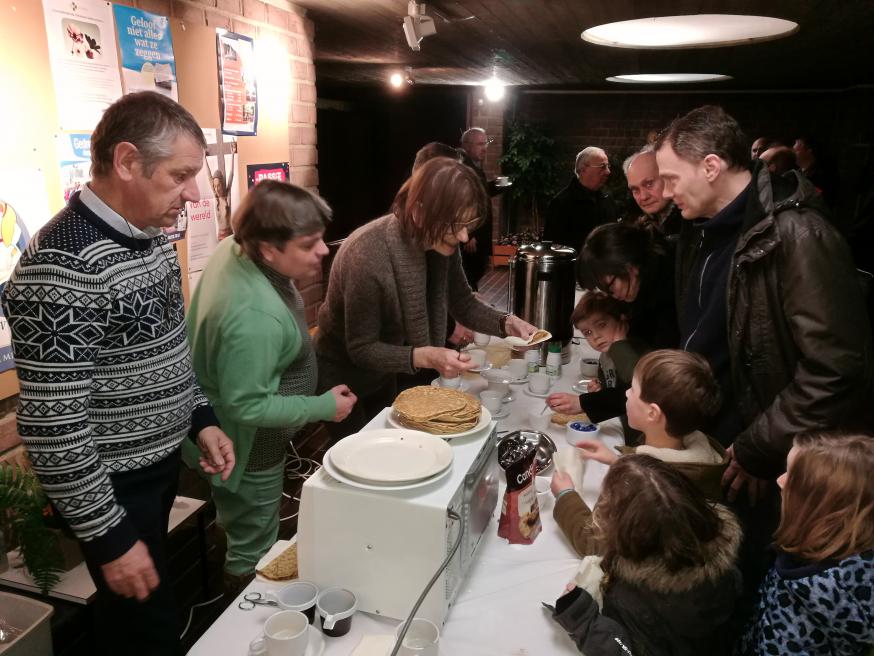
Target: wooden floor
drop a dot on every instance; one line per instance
(71, 624)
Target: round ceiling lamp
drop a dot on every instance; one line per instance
(396, 80)
(494, 89)
(668, 78)
(694, 31)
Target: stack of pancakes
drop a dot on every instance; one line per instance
(436, 410)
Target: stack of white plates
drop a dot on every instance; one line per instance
(389, 459)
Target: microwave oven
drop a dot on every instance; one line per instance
(386, 545)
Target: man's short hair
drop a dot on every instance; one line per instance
(148, 120)
(432, 150)
(782, 159)
(585, 156)
(468, 135)
(707, 130)
(682, 385)
(595, 302)
(630, 159)
(275, 212)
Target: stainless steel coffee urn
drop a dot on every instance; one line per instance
(541, 290)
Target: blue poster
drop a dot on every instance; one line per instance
(147, 60)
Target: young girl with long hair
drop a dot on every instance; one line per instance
(818, 599)
(668, 558)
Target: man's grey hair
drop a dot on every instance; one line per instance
(148, 120)
(585, 156)
(468, 135)
(630, 159)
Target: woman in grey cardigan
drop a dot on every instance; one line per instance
(392, 284)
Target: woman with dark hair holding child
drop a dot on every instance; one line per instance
(669, 581)
(818, 599)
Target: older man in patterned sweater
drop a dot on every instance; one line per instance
(108, 393)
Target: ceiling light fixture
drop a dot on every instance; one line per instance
(494, 89)
(695, 31)
(668, 78)
(396, 80)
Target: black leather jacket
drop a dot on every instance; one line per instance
(798, 333)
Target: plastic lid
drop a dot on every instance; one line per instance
(546, 250)
(554, 347)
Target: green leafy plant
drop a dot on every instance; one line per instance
(27, 513)
(530, 160)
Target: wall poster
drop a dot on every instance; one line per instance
(147, 60)
(81, 38)
(255, 173)
(238, 90)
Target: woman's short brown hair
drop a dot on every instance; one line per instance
(648, 509)
(828, 499)
(593, 302)
(440, 194)
(275, 212)
(682, 385)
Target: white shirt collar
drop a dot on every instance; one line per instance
(115, 220)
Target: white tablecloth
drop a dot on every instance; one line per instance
(498, 611)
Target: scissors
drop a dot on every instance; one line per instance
(252, 599)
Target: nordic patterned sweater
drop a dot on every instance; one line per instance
(104, 366)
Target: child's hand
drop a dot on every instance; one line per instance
(560, 482)
(594, 385)
(596, 450)
(568, 404)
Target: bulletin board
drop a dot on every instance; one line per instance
(28, 108)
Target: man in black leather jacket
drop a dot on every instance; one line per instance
(767, 292)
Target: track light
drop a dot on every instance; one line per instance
(417, 25)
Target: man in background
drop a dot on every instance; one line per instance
(759, 146)
(108, 393)
(646, 187)
(582, 205)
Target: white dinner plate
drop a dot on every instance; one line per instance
(512, 340)
(337, 475)
(484, 418)
(535, 394)
(391, 455)
(465, 385)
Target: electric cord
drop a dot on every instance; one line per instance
(191, 613)
(406, 626)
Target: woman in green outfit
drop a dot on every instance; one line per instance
(253, 357)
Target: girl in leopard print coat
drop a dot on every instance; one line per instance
(817, 600)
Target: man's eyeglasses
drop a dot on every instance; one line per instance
(604, 167)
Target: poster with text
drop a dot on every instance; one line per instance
(219, 181)
(202, 239)
(147, 61)
(81, 38)
(74, 157)
(23, 211)
(238, 91)
(255, 173)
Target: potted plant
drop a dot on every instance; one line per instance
(26, 522)
(530, 160)
(506, 246)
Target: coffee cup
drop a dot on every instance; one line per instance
(544, 493)
(335, 607)
(588, 368)
(580, 430)
(298, 595)
(478, 357)
(421, 638)
(502, 181)
(481, 339)
(538, 383)
(518, 368)
(538, 420)
(285, 634)
(451, 383)
(492, 400)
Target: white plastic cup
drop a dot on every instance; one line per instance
(422, 638)
(538, 383)
(286, 633)
(539, 420)
(580, 430)
(518, 368)
(478, 357)
(493, 400)
(297, 595)
(588, 368)
(544, 493)
(451, 383)
(481, 339)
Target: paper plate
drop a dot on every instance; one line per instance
(391, 456)
(518, 341)
(484, 418)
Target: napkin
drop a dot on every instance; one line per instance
(374, 645)
(573, 464)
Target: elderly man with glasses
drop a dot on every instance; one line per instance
(582, 205)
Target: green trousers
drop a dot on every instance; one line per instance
(250, 517)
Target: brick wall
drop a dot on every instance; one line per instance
(289, 26)
(490, 117)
